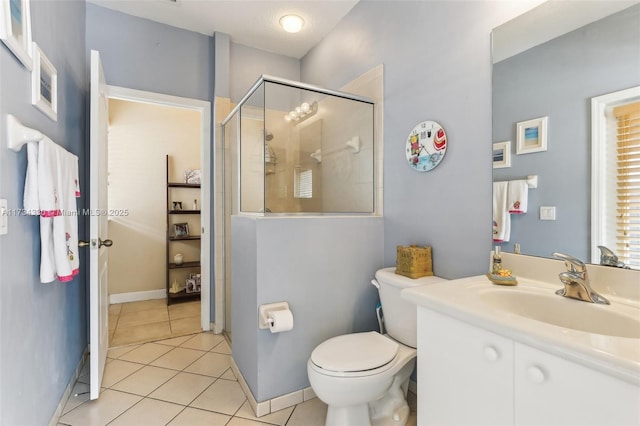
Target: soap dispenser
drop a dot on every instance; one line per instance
(496, 266)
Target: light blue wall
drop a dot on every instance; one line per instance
(145, 55)
(247, 64)
(436, 57)
(558, 79)
(323, 268)
(42, 326)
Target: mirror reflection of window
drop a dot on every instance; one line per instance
(616, 161)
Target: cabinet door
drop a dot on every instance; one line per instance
(465, 374)
(553, 391)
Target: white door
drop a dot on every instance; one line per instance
(98, 226)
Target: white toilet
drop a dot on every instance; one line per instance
(364, 377)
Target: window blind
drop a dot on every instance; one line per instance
(628, 183)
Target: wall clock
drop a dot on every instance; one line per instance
(426, 146)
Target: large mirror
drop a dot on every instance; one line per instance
(549, 63)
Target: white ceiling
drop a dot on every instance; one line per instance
(252, 23)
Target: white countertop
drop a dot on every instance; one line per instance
(462, 299)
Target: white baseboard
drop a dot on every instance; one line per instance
(137, 296)
(67, 392)
(272, 405)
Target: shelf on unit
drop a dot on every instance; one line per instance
(185, 265)
(183, 185)
(183, 294)
(184, 211)
(189, 238)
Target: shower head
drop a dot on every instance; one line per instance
(268, 135)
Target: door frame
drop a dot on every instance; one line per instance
(204, 108)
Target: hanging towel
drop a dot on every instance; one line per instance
(31, 204)
(51, 188)
(501, 218)
(518, 195)
(65, 225)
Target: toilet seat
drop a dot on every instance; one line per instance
(354, 355)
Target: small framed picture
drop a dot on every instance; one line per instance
(181, 229)
(44, 84)
(192, 176)
(502, 155)
(191, 285)
(531, 136)
(196, 280)
(15, 29)
(177, 205)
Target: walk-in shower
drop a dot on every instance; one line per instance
(293, 149)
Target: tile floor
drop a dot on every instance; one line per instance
(149, 320)
(179, 381)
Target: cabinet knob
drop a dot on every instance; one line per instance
(491, 353)
(536, 375)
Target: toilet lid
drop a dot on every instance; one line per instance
(355, 352)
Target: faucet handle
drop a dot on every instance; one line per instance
(609, 258)
(573, 264)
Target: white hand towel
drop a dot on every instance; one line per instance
(48, 169)
(31, 204)
(501, 218)
(65, 226)
(518, 196)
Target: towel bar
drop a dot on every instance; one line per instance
(18, 135)
(532, 181)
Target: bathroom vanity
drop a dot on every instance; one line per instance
(500, 355)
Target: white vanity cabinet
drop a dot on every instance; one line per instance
(465, 374)
(468, 375)
(550, 390)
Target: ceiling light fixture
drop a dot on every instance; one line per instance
(291, 23)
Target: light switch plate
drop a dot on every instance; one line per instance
(4, 217)
(547, 212)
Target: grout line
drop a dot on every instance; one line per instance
(174, 417)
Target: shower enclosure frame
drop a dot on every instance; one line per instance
(303, 86)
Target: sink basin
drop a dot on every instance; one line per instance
(545, 306)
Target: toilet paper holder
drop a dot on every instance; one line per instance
(263, 312)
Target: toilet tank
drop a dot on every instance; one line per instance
(399, 315)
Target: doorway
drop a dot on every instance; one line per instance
(145, 128)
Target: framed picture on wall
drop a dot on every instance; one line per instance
(502, 155)
(44, 84)
(531, 136)
(15, 29)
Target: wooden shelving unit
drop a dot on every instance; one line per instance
(172, 267)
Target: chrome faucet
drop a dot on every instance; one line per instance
(609, 258)
(576, 281)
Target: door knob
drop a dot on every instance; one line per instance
(101, 242)
(106, 243)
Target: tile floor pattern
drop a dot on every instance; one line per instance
(179, 381)
(149, 320)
